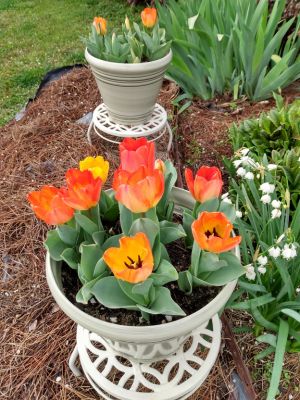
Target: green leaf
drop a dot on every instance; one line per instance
(146, 225)
(90, 255)
(100, 268)
(126, 219)
(99, 237)
(55, 245)
(112, 241)
(170, 231)
(228, 210)
(144, 289)
(68, 234)
(163, 304)
(291, 313)
(188, 219)
(185, 282)
(256, 302)
(108, 292)
(71, 257)
(86, 223)
(279, 357)
(84, 294)
(210, 262)
(164, 274)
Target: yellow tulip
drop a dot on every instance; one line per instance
(97, 165)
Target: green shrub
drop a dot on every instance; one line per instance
(233, 45)
(279, 130)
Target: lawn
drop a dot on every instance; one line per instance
(39, 35)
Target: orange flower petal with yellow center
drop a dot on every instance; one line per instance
(133, 260)
(212, 232)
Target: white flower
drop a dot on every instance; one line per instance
(271, 167)
(257, 176)
(262, 260)
(224, 195)
(266, 199)
(249, 175)
(298, 290)
(227, 200)
(289, 252)
(276, 213)
(244, 152)
(262, 270)
(248, 161)
(237, 163)
(274, 252)
(250, 272)
(276, 203)
(267, 187)
(241, 171)
(239, 214)
(280, 238)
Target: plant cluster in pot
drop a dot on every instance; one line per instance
(119, 247)
(129, 66)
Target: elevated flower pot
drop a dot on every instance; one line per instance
(129, 91)
(141, 343)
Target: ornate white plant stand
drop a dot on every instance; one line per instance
(112, 132)
(175, 377)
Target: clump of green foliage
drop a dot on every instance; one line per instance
(278, 129)
(233, 45)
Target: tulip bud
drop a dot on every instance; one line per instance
(160, 165)
(127, 23)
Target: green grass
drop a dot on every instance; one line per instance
(39, 35)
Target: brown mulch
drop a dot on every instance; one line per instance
(36, 338)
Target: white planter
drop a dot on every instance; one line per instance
(129, 91)
(142, 343)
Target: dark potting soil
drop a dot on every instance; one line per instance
(180, 258)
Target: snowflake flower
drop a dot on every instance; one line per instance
(274, 252)
(267, 187)
(249, 175)
(224, 195)
(276, 213)
(239, 214)
(266, 199)
(250, 272)
(227, 200)
(245, 151)
(262, 270)
(262, 260)
(289, 251)
(237, 163)
(271, 167)
(276, 203)
(241, 171)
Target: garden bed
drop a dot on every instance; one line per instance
(36, 337)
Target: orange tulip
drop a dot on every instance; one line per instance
(100, 25)
(136, 152)
(133, 260)
(138, 191)
(212, 232)
(149, 17)
(206, 185)
(83, 189)
(49, 206)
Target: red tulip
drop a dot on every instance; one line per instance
(212, 232)
(135, 153)
(48, 205)
(138, 191)
(83, 190)
(206, 185)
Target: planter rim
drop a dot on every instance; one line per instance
(128, 67)
(154, 332)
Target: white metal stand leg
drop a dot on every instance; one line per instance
(72, 360)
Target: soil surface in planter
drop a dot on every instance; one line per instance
(180, 258)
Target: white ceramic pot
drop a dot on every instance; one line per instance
(141, 343)
(129, 91)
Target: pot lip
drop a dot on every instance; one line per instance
(161, 329)
(114, 66)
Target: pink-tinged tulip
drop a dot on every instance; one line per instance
(48, 205)
(138, 191)
(206, 185)
(83, 190)
(212, 232)
(135, 153)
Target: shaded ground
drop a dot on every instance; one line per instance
(36, 338)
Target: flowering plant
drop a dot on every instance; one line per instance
(134, 44)
(117, 239)
(271, 251)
